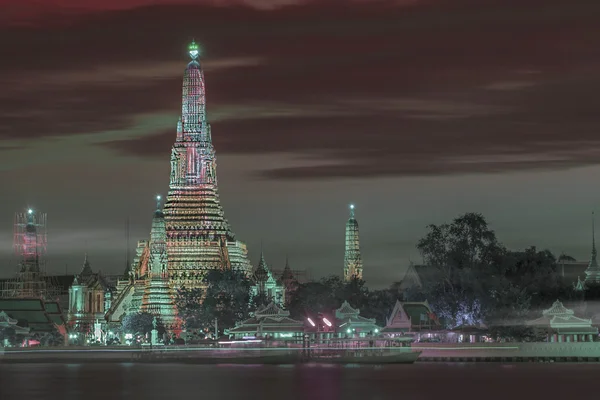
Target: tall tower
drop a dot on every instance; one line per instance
(30, 248)
(353, 267)
(196, 227)
(592, 272)
(158, 296)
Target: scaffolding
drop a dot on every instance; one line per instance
(30, 246)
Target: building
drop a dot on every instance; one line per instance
(147, 288)
(353, 266)
(289, 282)
(265, 284)
(412, 318)
(350, 323)
(559, 324)
(199, 237)
(89, 296)
(269, 322)
(40, 317)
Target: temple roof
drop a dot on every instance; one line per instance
(87, 268)
(287, 272)
(557, 309)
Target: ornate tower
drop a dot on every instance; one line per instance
(592, 273)
(196, 227)
(353, 267)
(158, 295)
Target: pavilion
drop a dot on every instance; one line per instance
(269, 322)
(561, 325)
(350, 322)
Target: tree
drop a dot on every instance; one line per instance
(141, 324)
(465, 263)
(189, 307)
(535, 272)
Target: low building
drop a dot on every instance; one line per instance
(38, 316)
(560, 324)
(350, 323)
(415, 318)
(269, 322)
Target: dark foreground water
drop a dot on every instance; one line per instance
(402, 382)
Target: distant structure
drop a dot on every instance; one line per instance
(266, 284)
(147, 287)
(199, 237)
(30, 245)
(592, 273)
(353, 267)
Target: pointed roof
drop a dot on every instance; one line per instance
(346, 311)
(557, 309)
(411, 278)
(87, 269)
(593, 270)
(287, 274)
(262, 273)
(398, 318)
(271, 310)
(579, 286)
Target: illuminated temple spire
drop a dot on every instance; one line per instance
(196, 227)
(158, 296)
(353, 267)
(593, 270)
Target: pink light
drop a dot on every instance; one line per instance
(311, 322)
(326, 322)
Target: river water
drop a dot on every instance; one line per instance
(402, 382)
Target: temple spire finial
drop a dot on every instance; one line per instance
(158, 198)
(351, 210)
(193, 50)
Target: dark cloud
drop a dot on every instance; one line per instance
(383, 93)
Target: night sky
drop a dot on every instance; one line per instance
(415, 111)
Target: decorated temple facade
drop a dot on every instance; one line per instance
(148, 288)
(199, 237)
(266, 285)
(351, 324)
(560, 324)
(353, 267)
(269, 322)
(89, 298)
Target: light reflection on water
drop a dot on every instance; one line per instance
(479, 381)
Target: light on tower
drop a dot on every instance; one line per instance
(30, 211)
(193, 50)
(352, 206)
(158, 197)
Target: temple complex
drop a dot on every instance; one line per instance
(353, 267)
(199, 237)
(560, 324)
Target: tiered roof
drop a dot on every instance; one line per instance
(349, 317)
(267, 319)
(563, 320)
